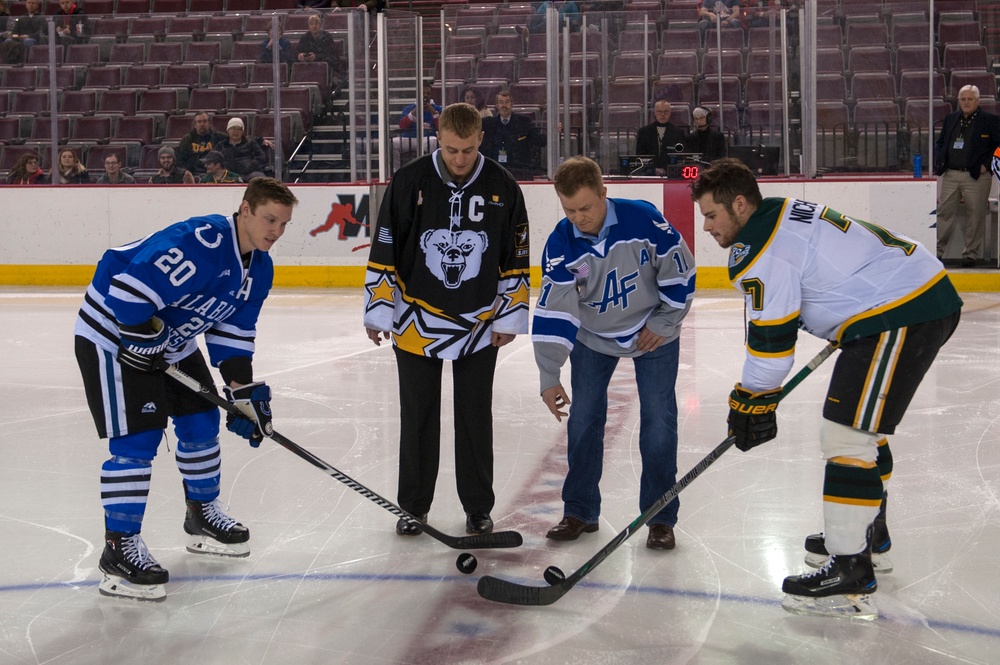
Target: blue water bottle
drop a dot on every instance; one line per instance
(918, 165)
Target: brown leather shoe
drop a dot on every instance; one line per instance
(570, 529)
(661, 537)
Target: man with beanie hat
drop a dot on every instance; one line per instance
(242, 155)
(169, 173)
(216, 173)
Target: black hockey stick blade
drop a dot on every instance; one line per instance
(503, 591)
(512, 593)
(496, 540)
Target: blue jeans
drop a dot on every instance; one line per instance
(655, 375)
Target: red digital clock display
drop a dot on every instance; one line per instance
(690, 172)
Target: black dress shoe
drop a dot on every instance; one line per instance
(968, 262)
(661, 537)
(570, 529)
(478, 523)
(406, 528)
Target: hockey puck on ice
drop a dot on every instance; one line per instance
(466, 563)
(554, 576)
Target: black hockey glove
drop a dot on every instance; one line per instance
(753, 416)
(254, 401)
(142, 346)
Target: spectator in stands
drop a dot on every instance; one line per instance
(4, 20)
(216, 172)
(26, 171)
(472, 97)
(317, 45)
(197, 143)
(284, 49)
(962, 154)
(510, 138)
(113, 174)
(569, 12)
(705, 139)
(726, 12)
(72, 25)
(28, 30)
(170, 173)
(373, 6)
(757, 13)
(404, 146)
(660, 138)
(242, 155)
(69, 171)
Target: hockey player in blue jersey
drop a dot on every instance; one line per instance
(148, 302)
(617, 281)
(889, 305)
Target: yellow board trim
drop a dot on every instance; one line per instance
(709, 277)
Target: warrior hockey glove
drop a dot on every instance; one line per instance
(254, 401)
(753, 416)
(142, 346)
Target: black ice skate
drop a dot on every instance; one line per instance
(130, 571)
(881, 543)
(215, 532)
(842, 587)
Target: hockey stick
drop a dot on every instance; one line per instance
(484, 541)
(504, 591)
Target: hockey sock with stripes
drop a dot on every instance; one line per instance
(200, 465)
(852, 495)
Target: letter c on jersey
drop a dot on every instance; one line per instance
(476, 204)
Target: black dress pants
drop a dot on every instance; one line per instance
(420, 429)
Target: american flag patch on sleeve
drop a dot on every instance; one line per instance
(385, 235)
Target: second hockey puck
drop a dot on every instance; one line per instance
(553, 575)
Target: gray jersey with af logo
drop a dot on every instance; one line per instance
(602, 294)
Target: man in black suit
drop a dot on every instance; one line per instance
(508, 138)
(962, 156)
(659, 138)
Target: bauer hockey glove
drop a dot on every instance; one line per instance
(142, 346)
(254, 401)
(753, 416)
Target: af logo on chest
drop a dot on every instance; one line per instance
(454, 255)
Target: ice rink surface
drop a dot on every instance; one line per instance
(328, 581)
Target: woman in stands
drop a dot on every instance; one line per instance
(70, 170)
(26, 171)
(472, 96)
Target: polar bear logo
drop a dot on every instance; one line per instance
(453, 256)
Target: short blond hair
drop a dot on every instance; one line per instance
(462, 119)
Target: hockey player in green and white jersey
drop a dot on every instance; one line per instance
(890, 306)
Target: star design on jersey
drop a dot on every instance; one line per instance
(381, 290)
(518, 296)
(411, 339)
(428, 333)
